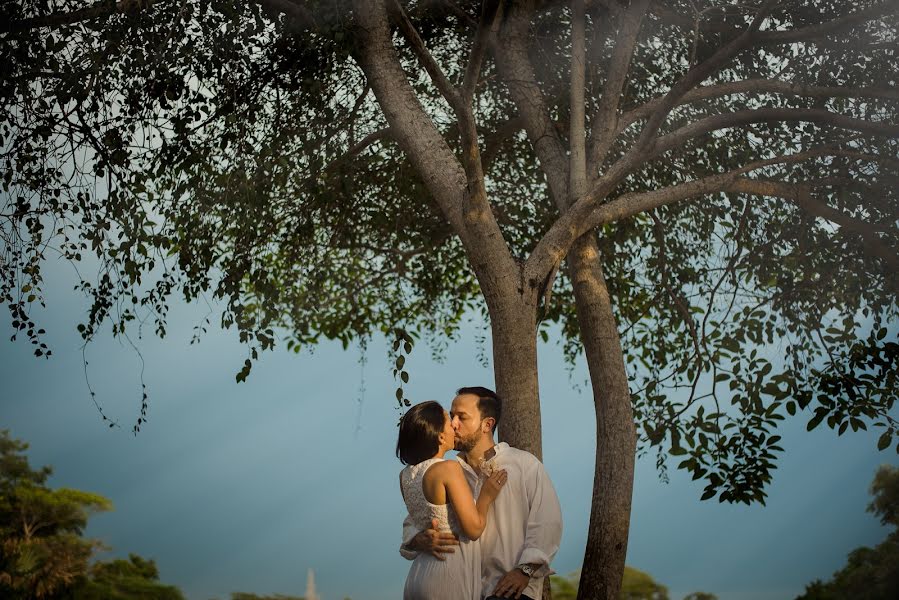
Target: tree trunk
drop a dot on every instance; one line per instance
(513, 323)
(616, 438)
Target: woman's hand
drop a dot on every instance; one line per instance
(490, 489)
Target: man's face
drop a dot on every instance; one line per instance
(467, 421)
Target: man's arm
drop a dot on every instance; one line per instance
(542, 538)
(430, 541)
(544, 528)
(409, 532)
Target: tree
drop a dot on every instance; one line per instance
(717, 178)
(133, 579)
(635, 585)
(40, 529)
(870, 573)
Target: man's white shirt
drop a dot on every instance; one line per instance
(524, 524)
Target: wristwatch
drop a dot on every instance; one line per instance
(526, 569)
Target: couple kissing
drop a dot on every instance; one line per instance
(486, 524)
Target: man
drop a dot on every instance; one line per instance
(524, 525)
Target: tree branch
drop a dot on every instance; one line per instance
(830, 27)
(605, 121)
(801, 196)
(468, 213)
(586, 214)
(95, 11)
(698, 74)
(424, 56)
(768, 115)
(491, 13)
(364, 143)
(515, 67)
(757, 86)
(577, 169)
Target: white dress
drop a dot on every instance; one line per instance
(459, 576)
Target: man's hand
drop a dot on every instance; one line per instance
(512, 584)
(434, 542)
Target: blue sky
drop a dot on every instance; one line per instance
(243, 487)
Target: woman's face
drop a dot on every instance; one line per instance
(449, 433)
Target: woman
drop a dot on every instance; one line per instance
(434, 488)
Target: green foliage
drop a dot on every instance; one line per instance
(44, 555)
(217, 150)
(636, 585)
(870, 573)
(565, 588)
(885, 492)
(132, 579)
(40, 528)
(700, 596)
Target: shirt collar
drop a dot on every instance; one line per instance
(497, 450)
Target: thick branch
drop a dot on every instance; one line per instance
(768, 115)
(587, 214)
(577, 137)
(468, 214)
(424, 56)
(698, 74)
(511, 54)
(830, 27)
(491, 13)
(758, 86)
(801, 196)
(605, 121)
(95, 11)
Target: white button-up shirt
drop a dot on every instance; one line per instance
(524, 524)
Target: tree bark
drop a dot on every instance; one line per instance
(616, 438)
(513, 322)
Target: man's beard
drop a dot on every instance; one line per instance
(466, 444)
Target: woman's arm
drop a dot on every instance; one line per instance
(472, 516)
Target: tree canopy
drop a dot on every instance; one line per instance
(636, 585)
(44, 553)
(227, 149)
(40, 528)
(133, 579)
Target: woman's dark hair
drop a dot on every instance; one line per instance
(420, 429)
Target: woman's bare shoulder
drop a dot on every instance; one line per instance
(446, 468)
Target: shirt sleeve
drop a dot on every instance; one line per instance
(409, 532)
(544, 526)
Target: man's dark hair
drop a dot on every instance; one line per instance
(489, 403)
(420, 429)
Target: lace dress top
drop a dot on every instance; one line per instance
(420, 509)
